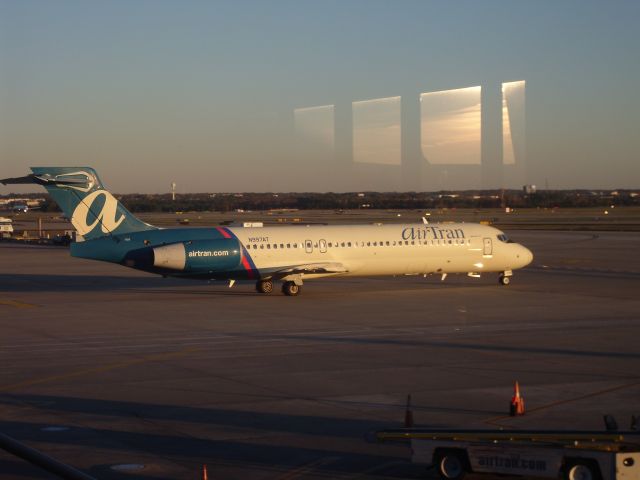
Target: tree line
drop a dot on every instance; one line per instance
(225, 202)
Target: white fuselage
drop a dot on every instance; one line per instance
(404, 249)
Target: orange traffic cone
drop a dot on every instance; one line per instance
(204, 473)
(408, 414)
(517, 402)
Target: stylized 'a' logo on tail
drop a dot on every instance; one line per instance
(105, 217)
(93, 211)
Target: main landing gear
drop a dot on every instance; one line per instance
(264, 286)
(291, 289)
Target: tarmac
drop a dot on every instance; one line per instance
(127, 375)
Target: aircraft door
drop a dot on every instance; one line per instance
(488, 247)
(322, 245)
(308, 246)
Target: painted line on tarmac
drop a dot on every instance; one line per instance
(16, 303)
(105, 368)
(495, 420)
(375, 469)
(306, 469)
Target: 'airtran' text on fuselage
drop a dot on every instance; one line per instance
(209, 253)
(431, 233)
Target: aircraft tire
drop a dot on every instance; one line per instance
(504, 280)
(291, 289)
(264, 286)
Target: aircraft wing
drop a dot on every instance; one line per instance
(310, 268)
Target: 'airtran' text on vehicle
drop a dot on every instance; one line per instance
(209, 253)
(428, 233)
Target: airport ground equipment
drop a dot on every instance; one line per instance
(6, 227)
(571, 455)
(39, 459)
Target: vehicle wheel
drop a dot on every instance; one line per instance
(580, 471)
(290, 289)
(504, 280)
(264, 286)
(451, 465)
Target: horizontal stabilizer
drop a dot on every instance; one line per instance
(42, 180)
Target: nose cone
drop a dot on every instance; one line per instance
(524, 255)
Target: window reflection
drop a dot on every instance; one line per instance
(315, 126)
(513, 103)
(376, 131)
(450, 130)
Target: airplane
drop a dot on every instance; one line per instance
(107, 231)
(20, 208)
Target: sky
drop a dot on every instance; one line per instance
(204, 93)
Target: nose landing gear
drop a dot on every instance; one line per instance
(505, 278)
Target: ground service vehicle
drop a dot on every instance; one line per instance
(571, 455)
(6, 227)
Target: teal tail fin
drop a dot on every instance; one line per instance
(93, 211)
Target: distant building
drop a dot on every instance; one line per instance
(529, 189)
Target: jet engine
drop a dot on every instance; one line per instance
(199, 255)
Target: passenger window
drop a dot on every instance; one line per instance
(349, 244)
(388, 243)
(342, 244)
(330, 244)
(261, 247)
(282, 245)
(275, 245)
(288, 245)
(375, 244)
(268, 246)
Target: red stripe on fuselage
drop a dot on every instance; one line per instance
(223, 232)
(245, 262)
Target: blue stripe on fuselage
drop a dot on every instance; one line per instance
(135, 250)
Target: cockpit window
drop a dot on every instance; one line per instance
(503, 238)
